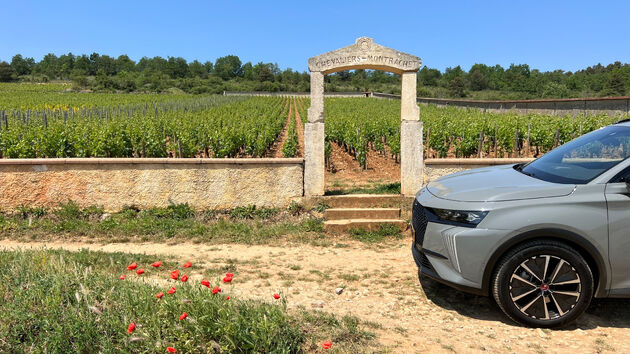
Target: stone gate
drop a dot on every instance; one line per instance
(365, 54)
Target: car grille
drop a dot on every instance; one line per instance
(419, 222)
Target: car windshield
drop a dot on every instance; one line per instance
(582, 159)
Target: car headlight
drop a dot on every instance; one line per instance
(460, 216)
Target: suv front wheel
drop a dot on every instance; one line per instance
(543, 283)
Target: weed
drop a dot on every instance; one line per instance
(295, 208)
(384, 231)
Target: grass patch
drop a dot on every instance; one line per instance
(388, 188)
(384, 232)
(74, 302)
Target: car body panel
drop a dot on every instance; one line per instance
(494, 184)
(470, 251)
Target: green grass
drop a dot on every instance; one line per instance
(60, 301)
(385, 232)
(388, 188)
(247, 225)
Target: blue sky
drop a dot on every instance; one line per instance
(547, 35)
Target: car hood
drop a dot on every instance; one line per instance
(495, 184)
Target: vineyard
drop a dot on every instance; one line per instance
(45, 121)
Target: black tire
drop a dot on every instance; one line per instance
(536, 283)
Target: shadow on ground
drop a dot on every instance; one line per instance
(602, 312)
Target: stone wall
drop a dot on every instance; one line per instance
(145, 183)
(436, 168)
(613, 106)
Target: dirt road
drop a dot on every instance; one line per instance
(380, 285)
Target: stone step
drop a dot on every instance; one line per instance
(345, 225)
(363, 200)
(362, 213)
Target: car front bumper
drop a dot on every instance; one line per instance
(454, 255)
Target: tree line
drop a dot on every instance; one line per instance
(228, 73)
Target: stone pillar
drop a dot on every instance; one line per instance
(411, 153)
(316, 110)
(314, 167)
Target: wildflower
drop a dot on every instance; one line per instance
(183, 316)
(216, 290)
(159, 295)
(140, 271)
(276, 296)
(122, 277)
(171, 350)
(131, 328)
(205, 283)
(227, 279)
(230, 275)
(175, 274)
(187, 265)
(227, 297)
(327, 344)
(184, 278)
(132, 266)
(172, 290)
(156, 264)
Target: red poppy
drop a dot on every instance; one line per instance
(159, 295)
(122, 277)
(131, 328)
(227, 279)
(175, 274)
(187, 265)
(132, 266)
(276, 296)
(156, 264)
(171, 350)
(216, 290)
(140, 271)
(172, 290)
(231, 275)
(327, 344)
(227, 297)
(205, 283)
(184, 278)
(183, 316)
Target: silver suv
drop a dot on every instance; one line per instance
(543, 238)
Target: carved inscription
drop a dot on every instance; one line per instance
(366, 59)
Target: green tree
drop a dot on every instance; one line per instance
(7, 73)
(478, 81)
(228, 67)
(124, 63)
(615, 85)
(457, 87)
(22, 66)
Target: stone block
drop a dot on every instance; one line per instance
(411, 163)
(314, 169)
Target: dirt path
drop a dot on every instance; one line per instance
(381, 286)
(300, 127)
(276, 149)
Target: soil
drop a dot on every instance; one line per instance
(346, 172)
(275, 150)
(380, 285)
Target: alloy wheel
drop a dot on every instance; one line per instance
(545, 287)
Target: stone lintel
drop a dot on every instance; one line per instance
(364, 54)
